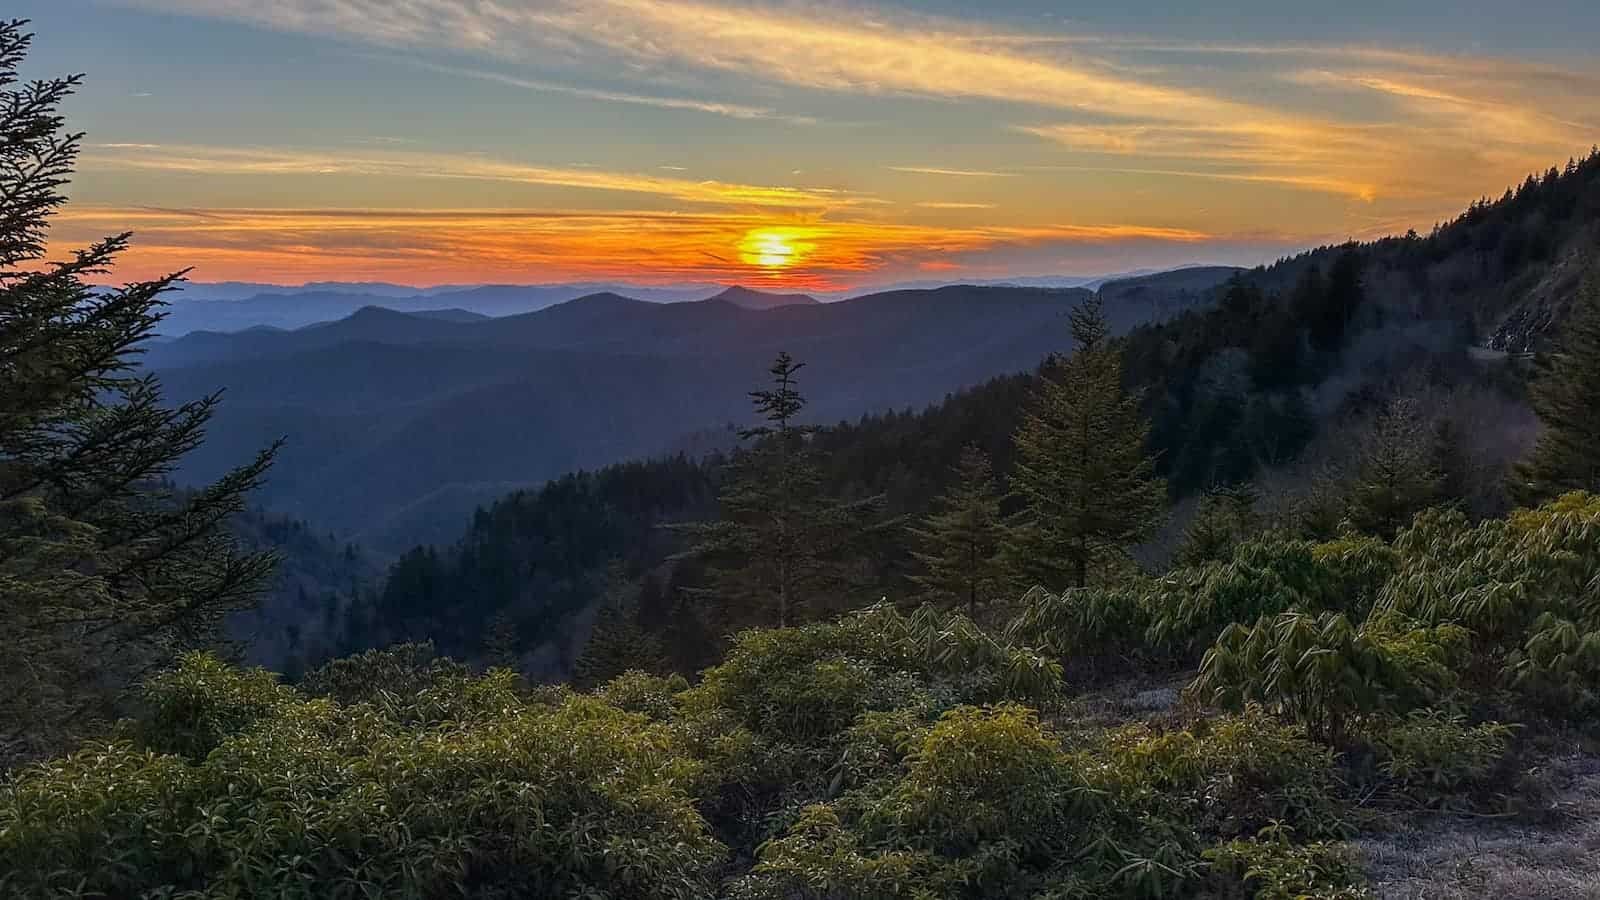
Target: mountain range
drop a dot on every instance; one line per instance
(400, 423)
(239, 305)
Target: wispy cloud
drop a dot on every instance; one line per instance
(713, 107)
(954, 173)
(1497, 119)
(950, 204)
(263, 161)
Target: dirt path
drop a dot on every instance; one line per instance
(1457, 858)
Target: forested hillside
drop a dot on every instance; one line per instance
(398, 426)
(1292, 376)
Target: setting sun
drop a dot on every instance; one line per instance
(773, 248)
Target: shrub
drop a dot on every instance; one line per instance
(986, 804)
(808, 684)
(1227, 776)
(311, 799)
(401, 670)
(819, 859)
(641, 692)
(1263, 578)
(985, 774)
(1435, 753)
(191, 709)
(1094, 624)
(1272, 868)
(1324, 672)
(1558, 667)
(1528, 589)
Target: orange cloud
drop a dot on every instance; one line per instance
(205, 160)
(433, 246)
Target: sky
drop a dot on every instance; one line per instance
(797, 145)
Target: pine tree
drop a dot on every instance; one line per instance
(1082, 466)
(617, 643)
(502, 642)
(962, 538)
(1397, 474)
(105, 570)
(1566, 396)
(1333, 314)
(1225, 516)
(781, 543)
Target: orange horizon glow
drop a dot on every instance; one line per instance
(428, 247)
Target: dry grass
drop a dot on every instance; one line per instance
(1447, 858)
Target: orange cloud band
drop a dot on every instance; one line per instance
(430, 246)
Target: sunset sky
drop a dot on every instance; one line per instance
(805, 145)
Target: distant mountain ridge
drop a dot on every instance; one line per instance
(237, 305)
(739, 295)
(400, 423)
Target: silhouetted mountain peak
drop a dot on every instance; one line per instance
(739, 295)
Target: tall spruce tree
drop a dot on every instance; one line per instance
(1566, 395)
(104, 570)
(782, 544)
(1224, 517)
(1082, 465)
(618, 642)
(961, 538)
(1398, 473)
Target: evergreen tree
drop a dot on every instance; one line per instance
(1566, 396)
(1225, 516)
(1081, 464)
(962, 537)
(105, 570)
(502, 642)
(1331, 317)
(617, 642)
(781, 543)
(1397, 474)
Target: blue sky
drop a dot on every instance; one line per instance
(801, 144)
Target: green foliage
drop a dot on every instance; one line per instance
(982, 775)
(1082, 466)
(1263, 577)
(1324, 672)
(1397, 473)
(962, 538)
(809, 683)
(1436, 753)
(104, 570)
(192, 709)
(1566, 395)
(311, 799)
(1097, 624)
(617, 642)
(1227, 776)
(640, 692)
(400, 670)
(1224, 518)
(1272, 868)
(1527, 587)
(1558, 667)
(987, 804)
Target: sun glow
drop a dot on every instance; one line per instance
(774, 248)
